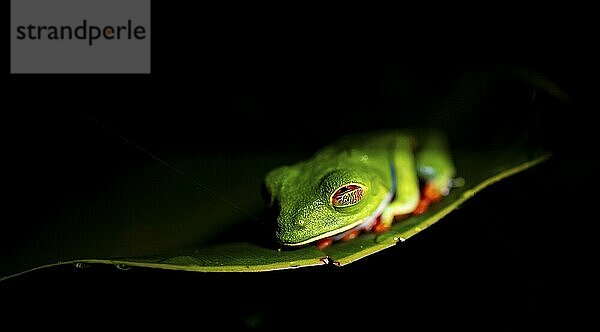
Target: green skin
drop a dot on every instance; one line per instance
(305, 191)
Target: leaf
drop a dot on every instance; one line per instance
(197, 218)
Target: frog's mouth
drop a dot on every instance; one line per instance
(364, 224)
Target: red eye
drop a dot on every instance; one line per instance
(347, 195)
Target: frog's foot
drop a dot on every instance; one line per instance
(351, 234)
(429, 195)
(346, 236)
(381, 228)
(422, 207)
(324, 243)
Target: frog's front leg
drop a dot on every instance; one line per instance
(435, 169)
(431, 163)
(405, 183)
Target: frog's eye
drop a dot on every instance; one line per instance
(347, 195)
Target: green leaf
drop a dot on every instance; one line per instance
(155, 218)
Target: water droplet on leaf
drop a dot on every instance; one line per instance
(123, 267)
(81, 265)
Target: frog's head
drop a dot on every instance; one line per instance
(318, 200)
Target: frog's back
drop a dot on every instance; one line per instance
(376, 142)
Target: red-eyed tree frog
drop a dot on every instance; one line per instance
(361, 183)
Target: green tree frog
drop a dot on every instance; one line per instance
(361, 183)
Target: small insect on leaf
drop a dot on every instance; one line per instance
(347, 195)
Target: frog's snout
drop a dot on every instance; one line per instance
(292, 230)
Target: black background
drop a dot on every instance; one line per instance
(514, 257)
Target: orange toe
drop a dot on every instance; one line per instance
(422, 206)
(351, 235)
(431, 193)
(324, 243)
(381, 228)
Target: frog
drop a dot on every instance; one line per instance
(360, 183)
